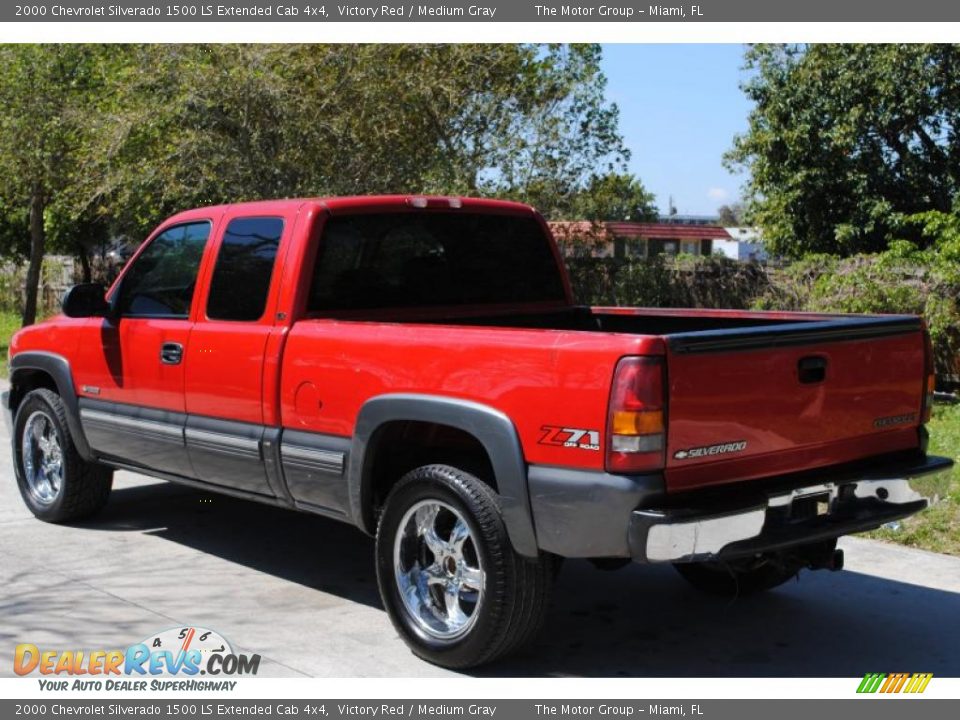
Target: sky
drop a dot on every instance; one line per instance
(680, 106)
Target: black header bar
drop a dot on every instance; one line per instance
(539, 11)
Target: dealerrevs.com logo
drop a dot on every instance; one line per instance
(177, 652)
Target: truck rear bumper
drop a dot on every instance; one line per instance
(592, 514)
(848, 503)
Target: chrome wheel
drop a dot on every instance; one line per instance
(438, 570)
(42, 458)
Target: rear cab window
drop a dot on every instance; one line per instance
(408, 259)
(244, 268)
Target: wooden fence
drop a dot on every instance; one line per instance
(58, 274)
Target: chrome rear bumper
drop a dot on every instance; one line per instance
(838, 506)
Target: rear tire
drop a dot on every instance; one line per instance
(453, 586)
(56, 484)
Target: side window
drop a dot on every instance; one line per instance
(241, 277)
(163, 277)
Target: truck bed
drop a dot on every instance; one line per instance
(749, 395)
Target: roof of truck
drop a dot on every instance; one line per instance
(368, 203)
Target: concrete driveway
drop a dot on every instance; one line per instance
(300, 591)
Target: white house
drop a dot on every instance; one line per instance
(744, 244)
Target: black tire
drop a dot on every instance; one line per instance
(738, 578)
(516, 589)
(84, 487)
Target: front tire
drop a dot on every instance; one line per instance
(56, 484)
(453, 586)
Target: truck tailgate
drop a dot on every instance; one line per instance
(748, 403)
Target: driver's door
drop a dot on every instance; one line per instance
(131, 376)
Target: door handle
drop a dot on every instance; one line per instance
(171, 353)
(812, 369)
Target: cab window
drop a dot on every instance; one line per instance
(241, 277)
(163, 277)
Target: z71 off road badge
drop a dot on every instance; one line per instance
(708, 450)
(570, 437)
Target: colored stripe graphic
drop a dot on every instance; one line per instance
(871, 682)
(923, 681)
(901, 678)
(894, 683)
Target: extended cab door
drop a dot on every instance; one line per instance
(130, 373)
(225, 358)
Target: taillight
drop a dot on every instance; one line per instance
(636, 431)
(929, 378)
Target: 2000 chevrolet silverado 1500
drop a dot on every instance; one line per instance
(417, 367)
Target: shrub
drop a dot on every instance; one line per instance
(790, 286)
(684, 281)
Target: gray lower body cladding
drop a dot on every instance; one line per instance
(582, 513)
(307, 471)
(314, 470)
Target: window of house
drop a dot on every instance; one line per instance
(637, 247)
(660, 246)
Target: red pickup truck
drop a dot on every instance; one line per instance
(417, 366)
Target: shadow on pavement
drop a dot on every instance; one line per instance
(306, 549)
(639, 621)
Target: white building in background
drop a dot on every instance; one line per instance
(744, 244)
(625, 239)
(672, 235)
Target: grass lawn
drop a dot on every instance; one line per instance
(9, 324)
(936, 529)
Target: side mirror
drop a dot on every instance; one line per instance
(86, 300)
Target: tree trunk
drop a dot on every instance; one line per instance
(85, 268)
(37, 242)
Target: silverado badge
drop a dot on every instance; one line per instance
(707, 450)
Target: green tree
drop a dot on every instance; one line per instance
(44, 96)
(191, 125)
(100, 142)
(846, 140)
(731, 215)
(14, 233)
(615, 196)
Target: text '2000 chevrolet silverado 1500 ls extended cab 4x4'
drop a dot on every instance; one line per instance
(417, 366)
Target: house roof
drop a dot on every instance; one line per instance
(627, 229)
(667, 231)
